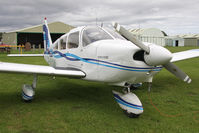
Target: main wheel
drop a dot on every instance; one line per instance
(131, 115)
(26, 98)
(27, 93)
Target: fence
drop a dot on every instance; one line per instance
(7, 48)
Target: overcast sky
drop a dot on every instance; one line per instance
(172, 16)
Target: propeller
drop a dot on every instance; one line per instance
(154, 54)
(177, 72)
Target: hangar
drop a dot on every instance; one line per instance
(152, 35)
(1, 35)
(183, 40)
(34, 34)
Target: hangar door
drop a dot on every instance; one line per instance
(35, 38)
(198, 42)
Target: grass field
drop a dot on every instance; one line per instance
(74, 106)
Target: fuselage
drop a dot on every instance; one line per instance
(102, 55)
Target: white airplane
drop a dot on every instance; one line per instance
(98, 54)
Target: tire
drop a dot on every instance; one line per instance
(131, 115)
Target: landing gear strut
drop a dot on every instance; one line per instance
(128, 87)
(129, 102)
(28, 90)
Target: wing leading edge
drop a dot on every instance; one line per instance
(185, 55)
(39, 69)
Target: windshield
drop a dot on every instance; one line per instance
(115, 34)
(93, 34)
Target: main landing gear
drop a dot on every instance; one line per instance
(129, 102)
(28, 90)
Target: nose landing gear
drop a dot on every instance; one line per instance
(129, 102)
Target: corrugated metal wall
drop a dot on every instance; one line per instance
(10, 38)
(156, 40)
(190, 42)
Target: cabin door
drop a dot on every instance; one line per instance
(74, 50)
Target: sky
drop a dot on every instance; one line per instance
(172, 16)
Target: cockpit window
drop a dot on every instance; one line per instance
(73, 40)
(115, 34)
(93, 34)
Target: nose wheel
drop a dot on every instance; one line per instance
(129, 102)
(131, 115)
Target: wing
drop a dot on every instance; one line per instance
(25, 55)
(39, 69)
(185, 55)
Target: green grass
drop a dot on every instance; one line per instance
(75, 106)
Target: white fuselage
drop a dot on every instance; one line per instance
(109, 60)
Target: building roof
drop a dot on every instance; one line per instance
(148, 32)
(189, 36)
(54, 27)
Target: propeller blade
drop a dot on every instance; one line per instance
(154, 55)
(177, 72)
(129, 36)
(152, 60)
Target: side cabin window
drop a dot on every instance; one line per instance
(73, 40)
(62, 43)
(56, 46)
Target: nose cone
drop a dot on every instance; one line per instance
(158, 55)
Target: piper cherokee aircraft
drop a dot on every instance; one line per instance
(98, 54)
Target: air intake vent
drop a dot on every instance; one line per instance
(139, 55)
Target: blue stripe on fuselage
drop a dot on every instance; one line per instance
(101, 63)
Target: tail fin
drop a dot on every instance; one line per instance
(47, 37)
